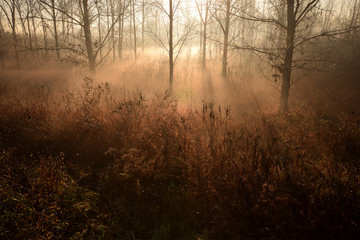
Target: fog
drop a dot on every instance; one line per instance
(207, 50)
(179, 119)
(229, 52)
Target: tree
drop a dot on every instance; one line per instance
(56, 36)
(204, 20)
(88, 40)
(171, 46)
(292, 20)
(143, 17)
(302, 29)
(84, 20)
(99, 12)
(2, 40)
(133, 17)
(174, 46)
(11, 17)
(121, 10)
(223, 16)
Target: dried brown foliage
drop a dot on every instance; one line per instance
(92, 165)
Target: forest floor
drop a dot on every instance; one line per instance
(91, 163)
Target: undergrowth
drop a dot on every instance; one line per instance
(90, 165)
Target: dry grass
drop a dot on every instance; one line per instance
(94, 163)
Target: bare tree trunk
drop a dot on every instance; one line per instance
(56, 38)
(30, 36)
(73, 29)
(134, 25)
(121, 28)
(143, 25)
(226, 40)
(291, 26)
(44, 37)
(205, 35)
(210, 42)
(63, 19)
(1, 39)
(171, 48)
(88, 41)
(34, 29)
(200, 10)
(112, 9)
(22, 21)
(28, 27)
(13, 28)
(108, 22)
(67, 22)
(99, 28)
(130, 27)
